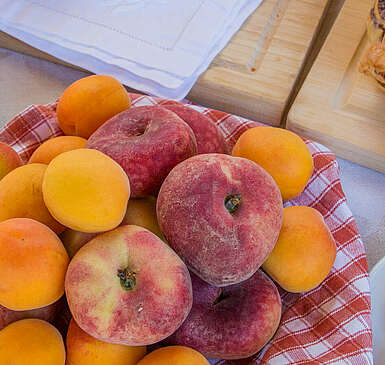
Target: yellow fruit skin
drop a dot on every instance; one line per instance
(86, 190)
(304, 253)
(281, 153)
(82, 349)
(31, 342)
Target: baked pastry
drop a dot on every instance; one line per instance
(376, 22)
(373, 63)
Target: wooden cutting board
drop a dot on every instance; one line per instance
(255, 74)
(337, 105)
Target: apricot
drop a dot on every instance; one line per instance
(46, 152)
(282, 153)
(74, 240)
(31, 342)
(21, 196)
(86, 190)
(89, 102)
(174, 355)
(86, 350)
(304, 253)
(33, 264)
(142, 212)
(9, 159)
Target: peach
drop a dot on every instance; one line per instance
(31, 342)
(174, 355)
(89, 102)
(21, 196)
(8, 316)
(86, 190)
(53, 147)
(147, 141)
(304, 253)
(86, 350)
(128, 287)
(234, 322)
(282, 153)
(222, 215)
(209, 138)
(9, 159)
(33, 263)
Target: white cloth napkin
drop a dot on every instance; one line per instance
(157, 46)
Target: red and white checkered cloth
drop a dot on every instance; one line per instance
(328, 325)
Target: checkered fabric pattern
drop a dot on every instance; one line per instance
(327, 325)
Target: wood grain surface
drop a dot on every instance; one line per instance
(337, 105)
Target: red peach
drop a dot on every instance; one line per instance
(128, 287)
(147, 141)
(222, 215)
(209, 138)
(233, 322)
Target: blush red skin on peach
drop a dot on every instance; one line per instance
(221, 248)
(209, 138)
(9, 159)
(147, 141)
(235, 327)
(159, 303)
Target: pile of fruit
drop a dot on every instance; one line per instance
(154, 232)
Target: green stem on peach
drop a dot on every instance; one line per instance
(127, 279)
(233, 202)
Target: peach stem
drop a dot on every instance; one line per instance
(127, 279)
(232, 202)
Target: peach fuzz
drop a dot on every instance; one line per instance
(89, 102)
(282, 153)
(304, 253)
(9, 159)
(33, 264)
(21, 196)
(86, 190)
(221, 215)
(47, 151)
(174, 355)
(86, 350)
(128, 287)
(31, 342)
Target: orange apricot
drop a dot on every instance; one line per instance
(174, 355)
(86, 190)
(21, 196)
(86, 350)
(31, 342)
(89, 102)
(33, 264)
(304, 253)
(282, 153)
(46, 152)
(9, 159)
